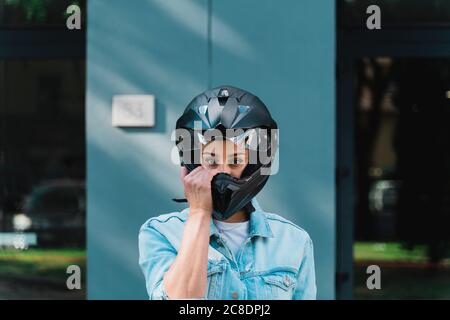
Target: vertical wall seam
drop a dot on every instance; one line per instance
(209, 43)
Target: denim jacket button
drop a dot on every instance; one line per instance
(287, 281)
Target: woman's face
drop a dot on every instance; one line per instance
(225, 156)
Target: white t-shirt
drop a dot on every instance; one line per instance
(234, 233)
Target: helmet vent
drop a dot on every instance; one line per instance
(222, 101)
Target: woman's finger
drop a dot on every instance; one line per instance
(193, 173)
(197, 170)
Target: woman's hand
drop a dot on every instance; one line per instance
(187, 276)
(197, 190)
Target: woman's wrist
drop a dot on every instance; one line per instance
(200, 213)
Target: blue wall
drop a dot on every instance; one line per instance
(283, 53)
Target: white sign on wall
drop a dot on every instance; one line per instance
(133, 111)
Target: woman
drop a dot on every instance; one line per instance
(223, 245)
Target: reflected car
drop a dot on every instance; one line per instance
(56, 212)
(383, 197)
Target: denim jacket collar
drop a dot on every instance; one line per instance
(259, 226)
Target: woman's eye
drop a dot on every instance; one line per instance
(237, 161)
(211, 161)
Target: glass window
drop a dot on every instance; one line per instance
(42, 177)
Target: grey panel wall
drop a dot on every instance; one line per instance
(282, 51)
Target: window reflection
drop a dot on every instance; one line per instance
(42, 176)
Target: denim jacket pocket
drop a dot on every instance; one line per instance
(279, 285)
(214, 279)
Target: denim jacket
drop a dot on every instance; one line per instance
(275, 262)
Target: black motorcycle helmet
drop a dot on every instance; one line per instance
(240, 114)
